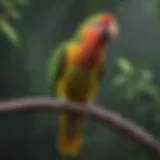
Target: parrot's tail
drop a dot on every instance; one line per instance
(69, 138)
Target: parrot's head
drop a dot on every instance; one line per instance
(93, 35)
(105, 24)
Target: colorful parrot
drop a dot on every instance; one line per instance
(75, 71)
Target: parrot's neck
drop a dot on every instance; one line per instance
(94, 56)
(92, 48)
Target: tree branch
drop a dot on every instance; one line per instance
(95, 112)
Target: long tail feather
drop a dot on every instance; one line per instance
(70, 134)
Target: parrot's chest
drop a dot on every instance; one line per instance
(78, 82)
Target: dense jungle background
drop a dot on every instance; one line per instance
(29, 31)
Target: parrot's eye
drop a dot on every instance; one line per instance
(105, 35)
(103, 30)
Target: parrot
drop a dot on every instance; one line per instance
(75, 72)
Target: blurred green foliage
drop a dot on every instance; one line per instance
(130, 85)
(9, 9)
(134, 81)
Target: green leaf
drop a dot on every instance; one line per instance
(10, 8)
(124, 65)
(146, 75)
(130, 93)
(9, 32)
(8, 5)
(119, 80)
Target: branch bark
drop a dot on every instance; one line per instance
(95, 112)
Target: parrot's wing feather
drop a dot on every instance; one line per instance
(56, 66)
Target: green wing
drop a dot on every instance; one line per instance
(56, 67)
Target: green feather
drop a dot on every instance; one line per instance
(56, 66)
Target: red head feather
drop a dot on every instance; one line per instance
(92, 46)
(107, 18)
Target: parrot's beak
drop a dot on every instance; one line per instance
(113, 31)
